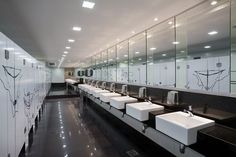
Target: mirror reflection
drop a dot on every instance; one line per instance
(122, 62)
(112, 64)
(137, 59)
(104, 65)
(203, 49)
(161, 54)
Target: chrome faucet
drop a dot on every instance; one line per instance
(97, 84)
(103, 85)
(112, 87)
(189, 111)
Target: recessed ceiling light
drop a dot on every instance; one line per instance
(163, 54)
(67, 47)
(149, 36)
(87, 4)
(65, 52)
(214, 2)
(63, 55)
(207, 47)
(175, 42)
(133, 32)
(76, 28)
(153, 48)
(71, 40)
(137, 52)
(125, 55)
(155, 19)
(170, 22)
(9, 48)
(212, 32)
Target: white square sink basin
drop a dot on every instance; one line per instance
(182, 127)
(90, 90)
(96, 93)
(82, 86)
(105, 97)
(141, 110)
(119, 102)
(86, 89)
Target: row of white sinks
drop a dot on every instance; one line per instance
(178, 125)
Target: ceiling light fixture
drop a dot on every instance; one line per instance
(155, 19)
(153, 48)
(71, 40)
(68, 47)
(163, 54)
(137, 52)
(175, 42)
(133, 32)
(75, 28)
(207, 47)
(214, 2)
(125, 55)
(87, 4)
(212, 33)
(170, 22)
(65, 52)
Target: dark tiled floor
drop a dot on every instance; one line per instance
(63, 132)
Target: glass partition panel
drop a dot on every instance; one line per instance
(203, 47)
(112, 64)
(137, 59)
(98, 70)
(104, 65)
(233, 46)
(161, 54)
(122, 62)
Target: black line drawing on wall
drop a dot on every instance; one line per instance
(206, 74)
(12, 89)
(28, 102)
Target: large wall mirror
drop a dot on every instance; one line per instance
(137, 59)
(195, 50)
(122, 62)
(98, 67)
(161, 54)
(112, 64)
(104, 65)
(203, 48)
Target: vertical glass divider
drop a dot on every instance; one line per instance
(146, 49)
(116, 60)
(175, 37)
(128, 60)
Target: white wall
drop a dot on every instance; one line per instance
(58, 75)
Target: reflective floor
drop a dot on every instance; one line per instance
(63, 132)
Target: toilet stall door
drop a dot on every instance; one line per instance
(4, 97)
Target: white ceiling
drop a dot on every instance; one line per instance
(42, 27)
